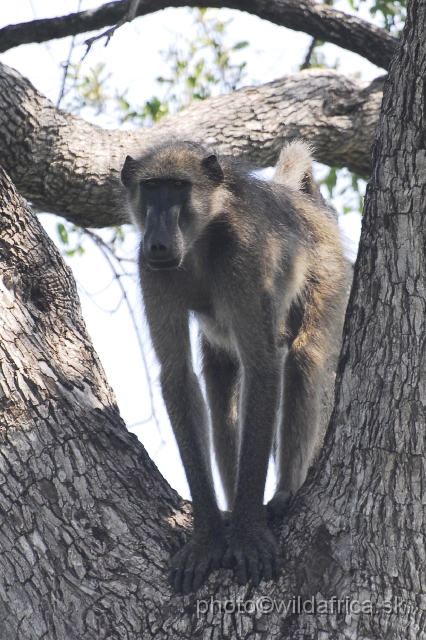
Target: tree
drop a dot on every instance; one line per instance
(87, 522)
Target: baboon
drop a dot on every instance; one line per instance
(261, 266)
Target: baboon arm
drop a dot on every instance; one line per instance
(188, 415)
(252, 545)
(185, 405)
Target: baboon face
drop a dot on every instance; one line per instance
(166, 205)
(171, 192)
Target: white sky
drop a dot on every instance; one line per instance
(133, 59)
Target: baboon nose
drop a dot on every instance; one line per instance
(158, 248)
(159, 252)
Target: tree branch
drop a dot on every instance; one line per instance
(67, 166)
(318, 20)
(128, 17)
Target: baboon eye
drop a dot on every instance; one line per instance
(150, 184)
(179, 184)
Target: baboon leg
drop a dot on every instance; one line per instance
(298, 431)
(221, 374)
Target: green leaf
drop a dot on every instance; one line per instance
(240, 45)
(330, 180)
(62, 232)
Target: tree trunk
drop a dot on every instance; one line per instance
(87, 522)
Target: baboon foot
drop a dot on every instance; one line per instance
(191, 564)
(254, 553)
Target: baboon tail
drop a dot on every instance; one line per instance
(294, 169)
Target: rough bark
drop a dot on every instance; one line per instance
(318, 20)
(67, 166)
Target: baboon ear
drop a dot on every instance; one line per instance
(128, 171)
(212, 167)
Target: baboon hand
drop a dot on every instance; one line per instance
(191, 564)
(254, 552)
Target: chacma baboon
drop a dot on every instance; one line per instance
(261, 265)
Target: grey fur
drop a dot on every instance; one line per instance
(261, 265)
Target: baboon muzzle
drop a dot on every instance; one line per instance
(163, 239)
